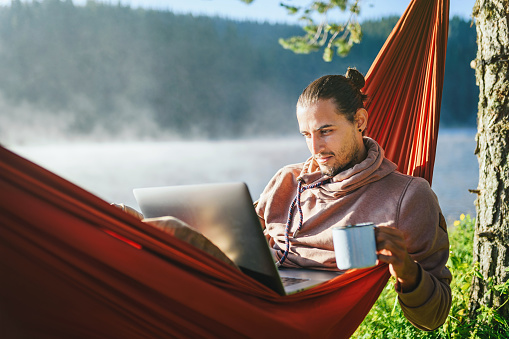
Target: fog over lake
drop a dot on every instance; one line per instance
(111, 170)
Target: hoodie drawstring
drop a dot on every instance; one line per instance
(296, 201)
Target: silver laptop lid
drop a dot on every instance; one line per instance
(224, 213)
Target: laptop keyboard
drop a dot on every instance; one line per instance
(289, 281)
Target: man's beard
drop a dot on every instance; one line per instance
(332, 171)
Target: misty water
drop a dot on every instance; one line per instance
(111, 170)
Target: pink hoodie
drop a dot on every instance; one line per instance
(372, 191)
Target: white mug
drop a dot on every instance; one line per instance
(355, 246)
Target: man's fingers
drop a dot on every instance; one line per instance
(391, 249)
(390, 258)
(390, 239)
(390, 245)
(129, 210)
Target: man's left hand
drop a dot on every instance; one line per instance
(391, 249)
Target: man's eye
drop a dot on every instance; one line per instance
(325, 131)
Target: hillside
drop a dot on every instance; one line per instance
(110, 72)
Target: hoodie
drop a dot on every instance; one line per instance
(371, 191)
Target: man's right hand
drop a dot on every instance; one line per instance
(129, 210)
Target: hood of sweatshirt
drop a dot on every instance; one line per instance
(371, 169)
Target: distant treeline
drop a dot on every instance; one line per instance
(86, 70)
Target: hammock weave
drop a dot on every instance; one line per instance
(63, 274)
(404, 88)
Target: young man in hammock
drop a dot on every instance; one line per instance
(347, 180)
(350, 182)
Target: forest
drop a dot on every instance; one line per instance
(103, 71)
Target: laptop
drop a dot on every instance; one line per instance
(225, 214)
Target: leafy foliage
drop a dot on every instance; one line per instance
(329, 36)
(386, 320)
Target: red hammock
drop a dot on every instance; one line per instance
(64, 275)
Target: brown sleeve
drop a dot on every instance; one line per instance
(420, 218)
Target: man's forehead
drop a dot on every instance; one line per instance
(316, 129)
(314, 118)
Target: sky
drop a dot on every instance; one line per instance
(271, 11)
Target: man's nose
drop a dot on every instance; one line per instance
(316, 144)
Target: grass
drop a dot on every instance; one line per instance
(386, 320)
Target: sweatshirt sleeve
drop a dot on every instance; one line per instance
(421, 219)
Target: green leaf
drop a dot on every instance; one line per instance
(344, 49)
(499, 318)
(502, 288)
(307, 19)
(299, 45)
(355, 32)
(355, 9)
(333, 28)
(339, 3)
(310, 29)
(478, 274)
(291, 9)
(320, 7)
(327, 54)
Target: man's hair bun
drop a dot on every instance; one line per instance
(356, 78)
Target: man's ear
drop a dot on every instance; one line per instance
(361, 119)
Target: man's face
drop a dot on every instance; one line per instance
(335, 142)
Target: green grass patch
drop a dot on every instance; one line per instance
(386, 320)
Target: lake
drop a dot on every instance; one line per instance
(111, 170)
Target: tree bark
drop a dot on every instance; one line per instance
(492, 224)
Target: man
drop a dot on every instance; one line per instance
(348, 181)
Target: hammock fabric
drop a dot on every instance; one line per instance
(404, 87)
(72, 266)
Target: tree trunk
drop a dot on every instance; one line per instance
(492, 226)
